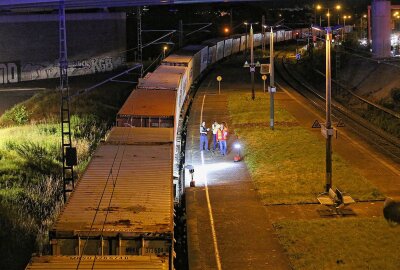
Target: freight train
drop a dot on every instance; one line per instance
(121, 212)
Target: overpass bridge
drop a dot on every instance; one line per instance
(50, 4)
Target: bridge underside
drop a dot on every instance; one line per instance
(83, 4)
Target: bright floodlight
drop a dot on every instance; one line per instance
(237, 146)
(319, 7)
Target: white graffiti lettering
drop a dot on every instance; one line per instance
(40, 71)
(9, 73)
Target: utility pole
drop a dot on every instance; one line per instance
(329, 130)
(69, 158)
(252, 65)
(271, 88)
(139, 39)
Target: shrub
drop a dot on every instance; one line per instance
(16, 115)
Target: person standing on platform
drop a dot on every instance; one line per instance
(214, 129)
(203, 137)
(222, 137)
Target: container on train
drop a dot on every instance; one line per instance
(235, 44)
(122, 205)
(228, 47)
(97, 262)
(244, 40)
(153, 81)
(257, 39)
(148, 108)
(194, 57)
(219, 44)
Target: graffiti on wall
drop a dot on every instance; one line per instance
(16, 72)
(33, 71)
(9, 73)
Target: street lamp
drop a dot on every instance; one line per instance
(344, 28)
(362, 25)
(338, 7)
(165, 48)
(271, 87)
(328, 14)
(317, 8)
(226, 30)
(252, 64)
(328, 130)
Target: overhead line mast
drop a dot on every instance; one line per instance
(139, 39)
(69, 156)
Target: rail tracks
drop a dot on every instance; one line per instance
(380, 140)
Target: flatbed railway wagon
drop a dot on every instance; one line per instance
(97, 263)
(123, 203)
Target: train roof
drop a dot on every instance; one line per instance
(148, 103)
(155, 80)
(192, 49)
(137, 135)
(125, 190)
(178, 58)
(213, 41)
(162, 69)
(101, 262)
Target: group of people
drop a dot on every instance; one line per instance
(220, 135)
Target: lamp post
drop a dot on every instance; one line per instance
(344, 28)
(165, 48)
(327, 130)
(245, 45)
(252, 64)
(271, 88)
(328, 14)
(317, 8)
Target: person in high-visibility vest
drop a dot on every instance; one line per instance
(214, 128)
(222, 136)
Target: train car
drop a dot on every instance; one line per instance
(235, 44)
(220, 49)
(164, 72)
(97, 263)
(280, 35)
(288, 35)
(200, 57)
(212, 50)
(257, 39)
(149, 108)
(193, 57)
(228, 47)
(267, 37)
(123, 203)
(243, 43)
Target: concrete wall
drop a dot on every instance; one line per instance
(381, 28)
(29, 46)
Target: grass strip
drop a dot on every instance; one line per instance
(348, 243)
(287, 165)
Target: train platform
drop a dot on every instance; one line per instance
(228, 227)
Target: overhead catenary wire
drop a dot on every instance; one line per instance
(100, 201)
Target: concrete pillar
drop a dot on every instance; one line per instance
(381, 15)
